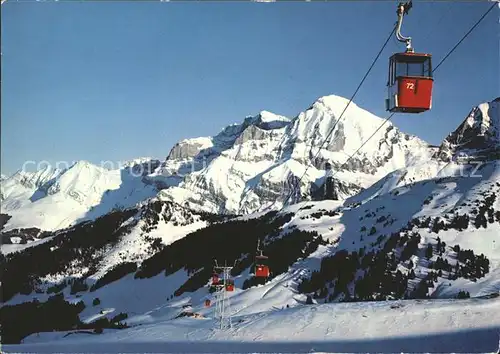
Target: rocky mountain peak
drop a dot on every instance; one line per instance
(478, 135)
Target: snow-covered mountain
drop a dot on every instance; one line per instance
(479, 134)
(246, 168)
(427, 230)
(436, 238)
(51, 199)
(253, 166)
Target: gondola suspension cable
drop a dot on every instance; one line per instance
(495, 3)
(340, 117)
(409, 49)
(441, 18)
(439, 64)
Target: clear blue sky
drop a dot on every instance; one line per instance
(118, 80)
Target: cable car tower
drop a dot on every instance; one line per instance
(222, 302)
(410, 75)
(329, 190)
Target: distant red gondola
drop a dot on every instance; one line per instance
(230, 285)
(261, 264)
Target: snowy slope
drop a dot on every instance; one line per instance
(20, 187)
(153, 225)
(432, 227)
(382, 326)
(248, 167)
(406, 326)
(462, 153)
(345, 228)
(53, 199)
(390, 213)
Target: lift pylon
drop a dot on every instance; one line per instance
(222, 302)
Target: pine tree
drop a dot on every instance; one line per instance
(428, 251)
(411, 275)
(309, 300)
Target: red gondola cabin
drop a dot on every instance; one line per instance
(261, 267)
(230, 285)
(410, 83)
(207, 303)
(215, 279)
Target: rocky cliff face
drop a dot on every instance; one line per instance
(247, 167)
(187, 149)
(478, 135)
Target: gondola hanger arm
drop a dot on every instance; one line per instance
(403, 9)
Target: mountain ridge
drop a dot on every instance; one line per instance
(478, 134)
(284, 155)
(247, 167)
(429, 229)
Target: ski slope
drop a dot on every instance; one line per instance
(274, 317)
(267, 317)
(403, 326)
